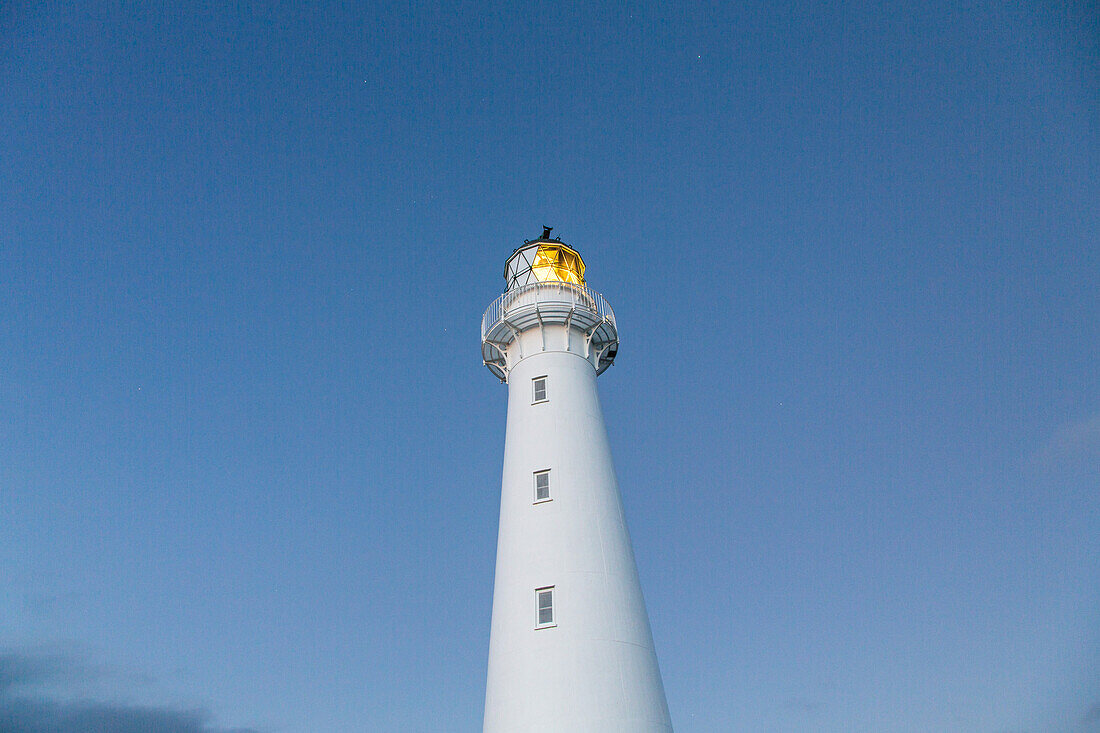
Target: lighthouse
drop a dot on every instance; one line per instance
(570, 648)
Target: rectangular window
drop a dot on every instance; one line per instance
(542, 486)
(544, 598)
(539, 389)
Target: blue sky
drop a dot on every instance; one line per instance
(250, 460)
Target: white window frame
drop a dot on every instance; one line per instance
(535, 477)
(553, 618)
(535, 400)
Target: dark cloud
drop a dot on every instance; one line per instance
(22, 715)
(17, 670)
(22, 712)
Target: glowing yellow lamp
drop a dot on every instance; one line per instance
(558, 263)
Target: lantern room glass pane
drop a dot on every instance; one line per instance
(555, 263)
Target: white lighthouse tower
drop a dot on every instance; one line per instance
(570, 647)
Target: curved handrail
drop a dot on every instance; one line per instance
(557, 292)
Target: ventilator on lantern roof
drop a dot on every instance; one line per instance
(544, 260)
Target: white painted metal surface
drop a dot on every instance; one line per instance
(594, 668)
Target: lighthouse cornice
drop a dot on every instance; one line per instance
(548, 316)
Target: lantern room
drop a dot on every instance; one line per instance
(544, 260)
